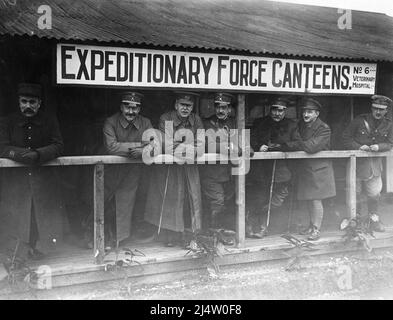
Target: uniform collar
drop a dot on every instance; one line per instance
(177, 120)
(217, 122)
(23, 120)
(124, 123)
(314, 124)
(370, 119)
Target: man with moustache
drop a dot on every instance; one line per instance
(173, 187)
(371, 132)
(315, 177)
(123, 137)
(217, 185)
(30, 196)
(269, 134)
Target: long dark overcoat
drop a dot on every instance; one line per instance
(172, 185)
(315, 176)
(24, 187)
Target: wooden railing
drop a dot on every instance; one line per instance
(99, 161)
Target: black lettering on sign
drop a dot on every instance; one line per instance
(336, 77)
(170, 68)
(64, 57)
(94, 65)
(140, 57)
(158, 59)
(325, 75)
(260, 73)
(131, 73)
(206, 68)
(307, 66)
(149, 68)
(234, 78)
(345, 73)
(108, 62)
(194, 73)
(316, 73)
(82, 68)
(253, 81)
(243, 72)
(287, 76)
(182, 73)
(297, 76)
(220, 67)
(275, 64)
(122, 65)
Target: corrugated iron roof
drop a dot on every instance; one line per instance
(254, 26)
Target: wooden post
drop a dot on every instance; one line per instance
(99, 247)
(351, 186)
(351, 115)
(241, 178)
(389, 174)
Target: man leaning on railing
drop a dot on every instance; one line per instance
(31, 202)
(372, 132)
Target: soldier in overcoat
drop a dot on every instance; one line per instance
(269, 134)
(315, 177)
(123, 136)
(175, 187)
(30, 196)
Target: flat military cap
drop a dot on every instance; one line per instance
(381, 102)
(223, 98)
(280, 103)
(186, 97)
(29, 89)
(310, 104)
(131, 97)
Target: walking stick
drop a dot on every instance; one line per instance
(292, 189)
(271, 193)
(163, 200)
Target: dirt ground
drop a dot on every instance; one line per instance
(354, 276)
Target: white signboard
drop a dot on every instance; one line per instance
(125, 67)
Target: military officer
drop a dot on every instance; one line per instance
(315, 177)
(30, 196)
(269, 134)
(217, 185)
(174, 187)
(123, 137)
(372, 132)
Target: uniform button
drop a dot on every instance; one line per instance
(29, 138)
(29, 127)
(29, 173)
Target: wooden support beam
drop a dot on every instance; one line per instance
(241, 178)
(351, 186)
(389, 174)
(99, 243)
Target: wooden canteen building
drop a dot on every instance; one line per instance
(83, 53)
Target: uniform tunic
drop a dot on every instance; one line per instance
(266, 131)
(357, 134)
(121, 181)
(214, 177)
(23, 188)
(315, 176)
(171, 185)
